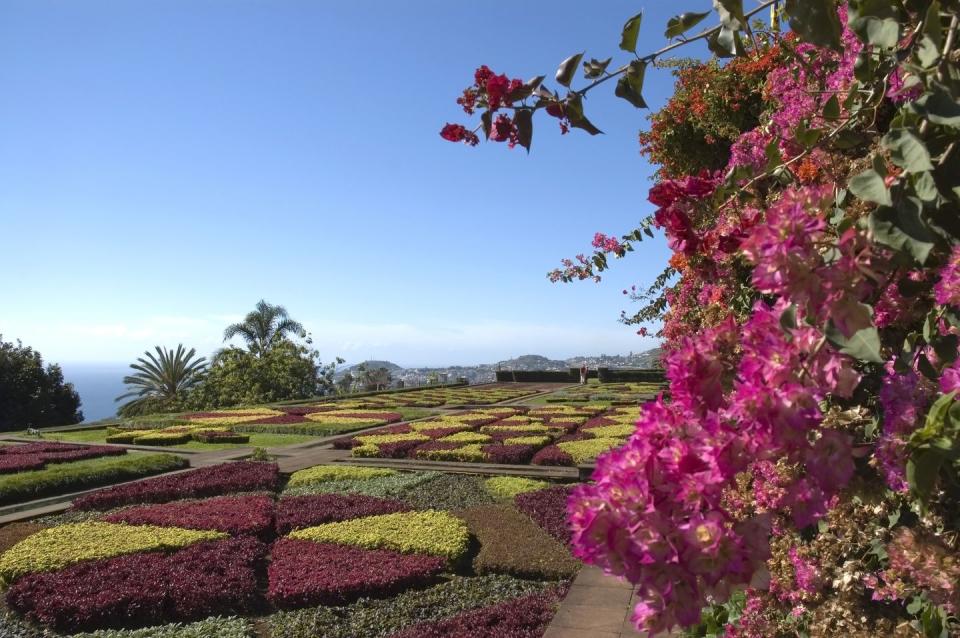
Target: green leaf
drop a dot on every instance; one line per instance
(869, 187)
(946, 348)
(939, 108)
(863, 345)
(831, 110)
(846, 139)
(486, 119)
(523, 119)
(678, 25)
(731, 14)
(630, 84)
(902, 228)
(876, 22)
(788, 318)
(573, 107)
(907, 150)
(568, 68)
(926, 368)
(772, 151)
(915, 605)
(922, 471)
(526, 89)
(816, 21)
(726, 43)
(630, 33)
(595, 68)
(926, 187)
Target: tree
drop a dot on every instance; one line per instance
(161, 382)
(264, 327)
(376, 379)
(32, 395)
(283, 372)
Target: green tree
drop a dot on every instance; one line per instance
(161, 383)
(285, 371)
(264, 327)
(32, 395)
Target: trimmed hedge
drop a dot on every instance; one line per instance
(162, 438)
(57, 547)
(429, 532)
(305, 573)
(230, 514)
(548, 508)
(507, 487)
(525, 617)
(509, 454)
(552, 455)
(148, 588)
(79, 475)
(216, 627)
(448, 492)
(511, 543)
(321, 473)
(588, 449)
(296, 512)
(393, 486)
(226, 478)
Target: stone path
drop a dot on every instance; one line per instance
(598, 606)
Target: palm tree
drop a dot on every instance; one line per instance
(166, 376)
(263, 327)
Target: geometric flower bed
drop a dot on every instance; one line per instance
(35, 456)
(326, 560)
(486, 394)
(548, 435)
(612, 393)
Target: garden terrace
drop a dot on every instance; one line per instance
(486, 394)
(611, 393)
(342, 551)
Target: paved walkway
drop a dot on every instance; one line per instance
(598, 606)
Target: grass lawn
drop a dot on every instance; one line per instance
(256, 440)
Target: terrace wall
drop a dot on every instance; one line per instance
(605, 375)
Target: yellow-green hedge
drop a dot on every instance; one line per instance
(611, 431)
(589, 449)
(377, 439)
(506, 487)
(58, 547)
(529, 440)
(466, 437)
(472, 453)
(321, 473)
(427, 532)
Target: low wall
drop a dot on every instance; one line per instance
(604, 375)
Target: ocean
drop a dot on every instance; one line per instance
(98, 384)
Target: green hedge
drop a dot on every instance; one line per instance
(79, 475)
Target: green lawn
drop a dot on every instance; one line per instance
(256, 440)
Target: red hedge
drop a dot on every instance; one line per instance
(231, 514)
(548, 507)
(294, 512)
(552, 455)
(239, 476)
(280, 419)
(397, 449)
(509, 454)
(211, 578)
(306, 573)
(525, 617)
(34, 456)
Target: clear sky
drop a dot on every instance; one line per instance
(164, 164)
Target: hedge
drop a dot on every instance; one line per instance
(320, 473)
(588, 449)
(226, 478)
(511, 543)
(507, 487)
(148, 588)
(525, 617)
(548, 508)
(305, 573)
(231, 514)
(57, 547)
(79, 475)
(428, 532)
(296, 512)
(471, 453)
(448, 492)
(216, 627)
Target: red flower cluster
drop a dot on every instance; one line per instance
(306, 573)
(212, 578)
(548, 508)
(226, 478)
(294, 512)
(231, 514)
(459, 133)
(525, 617)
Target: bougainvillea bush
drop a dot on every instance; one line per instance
(317, 559)
(801, 479)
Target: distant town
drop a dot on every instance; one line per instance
(486, 372)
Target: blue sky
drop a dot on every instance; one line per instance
(165, 164)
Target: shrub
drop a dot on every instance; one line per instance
(448, 492)
(467, 437)
(537, 441)
(379, 439)
(394, 486)
(230, 514)
(11, 463)
(502, 426)
(525, 617)
(552, 455)
(510, 543)
(320, 473)
(588, 449)
(509, 454)
(306, 573)
(428, 532)
(220, 436)
(507, 487)
(58, 547)
(216, 627)
(295, 512)
(67, 477)
(125, 437)
(238, 476)
(202, 580)
(621, 431)
(372, 618)
(548, 507)
(471, 453)
(162, 438)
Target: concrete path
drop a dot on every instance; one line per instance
(598, 606)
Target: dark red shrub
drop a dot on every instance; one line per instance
(509, 454)
(306, 573)
(217, 415)
(280, 419)
(576, 436)
(525, 617)
(10, 463)
(345, 443)
(308, 409)
(211, 578)
(294, 512)
(226, 478)
(436, 433)
(552, 455)
(40, 447)
(599, 421)
(569, 426)
(397, 449)
(548, 508)
(231, 514)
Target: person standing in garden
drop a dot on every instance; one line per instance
(583, 374)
